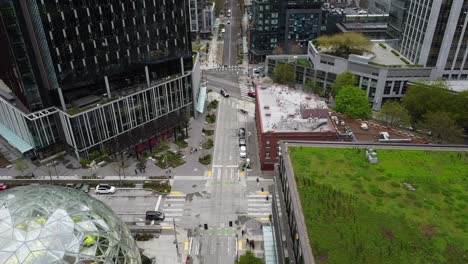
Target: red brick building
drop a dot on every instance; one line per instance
(286, 114)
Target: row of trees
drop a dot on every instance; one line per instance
(429, 107)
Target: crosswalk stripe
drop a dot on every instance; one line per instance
(257, 196)
(173, 209)
(259, 209)
(175, 200)
(175, 196)
(260, 205)
(259, 214)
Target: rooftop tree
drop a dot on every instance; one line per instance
(352, 101)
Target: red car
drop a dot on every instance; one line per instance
(3, 186)
(251, 94)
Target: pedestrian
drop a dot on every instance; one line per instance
(257, 180)
(196, 150)
(167, 171)
(243, 232)
(136, 172)
(170, 171)
(247, 241)
(262, 189)
(253, 245)
(267, 198)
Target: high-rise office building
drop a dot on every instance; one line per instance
(284, 24)
(93, 75)
(201, 16)
(435, 35)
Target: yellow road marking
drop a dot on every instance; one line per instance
(242, 174)
(186, 245)
(175, 192)
(240, 244)
(264, 193)
(167, 227)
(265, 219)
(210, 173)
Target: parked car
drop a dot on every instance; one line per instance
(229, 22)
(224, 93)
(243, 152)
(105, 189)
(85, 188)
(78, 186)
(241, 132)
(154, 215)
(3, 186)
(242, 142)
(251, 94)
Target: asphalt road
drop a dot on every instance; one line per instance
(230, 36)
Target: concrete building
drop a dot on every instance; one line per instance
(290, 204)
(383, 74)
(201, 16)
(282, 24)
(94, 76)
(435, 35)
(285, 114)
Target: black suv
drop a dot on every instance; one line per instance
(241, 132)
(154, 215)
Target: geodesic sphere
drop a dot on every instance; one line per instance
(52, 224)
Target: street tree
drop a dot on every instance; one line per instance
(249, 258)
(311, 86)
(278, 51)
(460, 110)
(122, 162)
(442, 127)
(21, 165)
(423, 97)
(342, 80)
(394, 114)
(284, 74)
(352, 101)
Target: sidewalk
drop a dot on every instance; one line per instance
(69, 168)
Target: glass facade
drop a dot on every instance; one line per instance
(52, 224)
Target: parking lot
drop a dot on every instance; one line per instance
(130, 204)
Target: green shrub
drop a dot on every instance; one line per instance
(405, 61)
(213, 105)
(84, 163)
(394, 52)
(205, 160)
(161, 147)
(162, 187)
(157, 177)
(382, 45)
(210, 118)
(90, 177)
(143, 237)
(169, 159)
(208, 132)
(181, 143)
(208, 144)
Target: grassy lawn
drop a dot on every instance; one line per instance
(358, 212)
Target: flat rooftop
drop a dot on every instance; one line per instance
(385, 56)
(282, 109)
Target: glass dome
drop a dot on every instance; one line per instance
(52, 224)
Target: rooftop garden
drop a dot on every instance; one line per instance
(410, 207)
(344, 44)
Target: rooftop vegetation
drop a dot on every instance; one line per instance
(358, 212)
(344, 44)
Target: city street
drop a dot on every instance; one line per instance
(230, 36)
